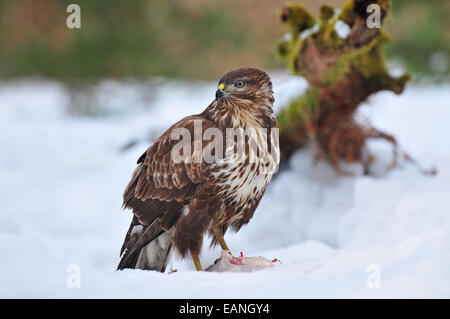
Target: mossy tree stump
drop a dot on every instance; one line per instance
(342, 70)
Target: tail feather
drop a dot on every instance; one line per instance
(146, 248)
(155, 255)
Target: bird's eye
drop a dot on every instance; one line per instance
(240, 84)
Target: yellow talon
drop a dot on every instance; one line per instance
(196, 260)
(220, 240)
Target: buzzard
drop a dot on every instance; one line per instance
(191, 182)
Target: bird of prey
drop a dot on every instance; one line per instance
(177, 196)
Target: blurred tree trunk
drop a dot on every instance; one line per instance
(342, 60)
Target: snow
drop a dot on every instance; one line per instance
(342, 29)
(62, 177)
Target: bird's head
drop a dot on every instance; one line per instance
(245, 84)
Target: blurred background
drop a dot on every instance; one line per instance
(198, 39)
(79, 106)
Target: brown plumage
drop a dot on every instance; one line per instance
(175, 202)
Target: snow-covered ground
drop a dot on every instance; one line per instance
(62, 177)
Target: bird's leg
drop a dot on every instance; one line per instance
(196, 260)
(220, 240)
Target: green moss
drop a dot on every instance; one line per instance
(346, 11)
(297, 18)
(293, 55)
(326, 13)
(299, 110)
(282, 49)
(369, 59)
(288, 51)
(326, 31)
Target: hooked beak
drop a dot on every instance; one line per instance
(220, 93)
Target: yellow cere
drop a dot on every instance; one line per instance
(221, 86)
